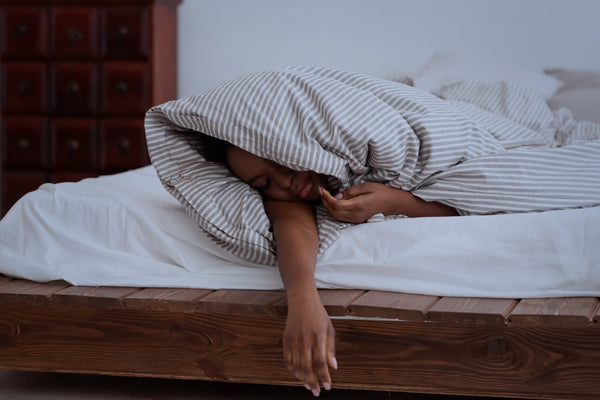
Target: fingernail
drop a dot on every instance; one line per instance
(315, 392)
(338, 196)
(307, 386)
(320, 191)
(327, 386)
(335, 364)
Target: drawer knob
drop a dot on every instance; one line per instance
(24, 87)
(124, 145)
(122, 31)
(21, 30)
(24, 144)
(121, 88)
(74, 36)
(73, 87)
(73, 145)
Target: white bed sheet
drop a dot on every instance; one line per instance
(126, 230)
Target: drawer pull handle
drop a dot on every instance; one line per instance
(74, 36)
(73, 87)
(73, 145)
(24, 144)
(124, 145)
(21, 30)
(122, 31)
(24, 87)
(121, 88)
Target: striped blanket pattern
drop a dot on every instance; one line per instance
(480, 147)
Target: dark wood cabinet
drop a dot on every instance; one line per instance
(76, 81)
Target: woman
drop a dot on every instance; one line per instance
(288, 197)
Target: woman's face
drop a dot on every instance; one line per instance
(273, 180)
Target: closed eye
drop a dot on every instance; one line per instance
(260, 183)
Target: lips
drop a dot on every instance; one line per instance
(303, 189)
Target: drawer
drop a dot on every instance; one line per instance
(122, 144)
(75, 32)
(24, 143)
(24, 87)
(75, 88)
(125, 89)
(125, 33)
(73, 144)
(24, 32)
(16, 184)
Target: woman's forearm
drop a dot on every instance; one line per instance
(296, 237)
(406, 203)
(358, 203)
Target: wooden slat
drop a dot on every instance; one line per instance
(471, 310)
(240, 302)
(378, 304)
(335, 301)
(166, 299)
(91, 296)
(4, 279)
(24, 292)
(554, 312)
(382, 355)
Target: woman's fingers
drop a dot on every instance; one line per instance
(321, 373)
(328, 200)
(337, 203)
(344, 209)
(357, 190)
(331, 360)
(330, 204)
(358, 203)
(310, 362)
(322, 355)
(306, 371)
(329, 353)
(299, 365)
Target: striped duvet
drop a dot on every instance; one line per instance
(480, 147)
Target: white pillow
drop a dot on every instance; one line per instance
(580, 93)
(449, 68)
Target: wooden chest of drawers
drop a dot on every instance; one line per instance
(76, 81)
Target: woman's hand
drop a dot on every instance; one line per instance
(359, 203)
(309, 342)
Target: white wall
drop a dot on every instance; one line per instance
(221, 39)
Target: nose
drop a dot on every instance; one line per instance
(283, 177)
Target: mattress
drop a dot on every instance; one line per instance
(126, 230)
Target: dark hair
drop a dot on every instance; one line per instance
(213, 149)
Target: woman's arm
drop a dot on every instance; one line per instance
(359, 203)
(309, 338)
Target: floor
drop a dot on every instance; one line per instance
(16, 385)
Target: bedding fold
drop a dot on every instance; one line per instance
(480, 147)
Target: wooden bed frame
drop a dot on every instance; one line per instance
(530, 348)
